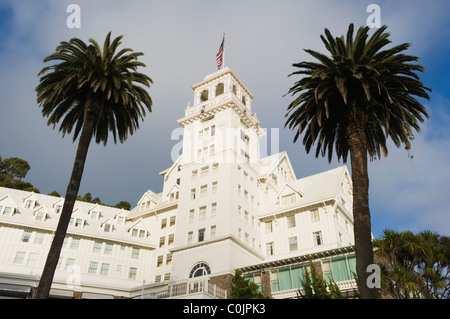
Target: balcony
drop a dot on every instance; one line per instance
(188, 289)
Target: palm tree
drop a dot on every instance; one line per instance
(92, 92)
(414, 265)
(352, 102)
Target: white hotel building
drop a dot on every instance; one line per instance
(222, 208)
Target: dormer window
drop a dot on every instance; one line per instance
(58, 209)
(40, 215)
(29, 203)
(76, 222)
(94, 214)
(288, 199)
(120, 220)
(107, 227)
(7, 211)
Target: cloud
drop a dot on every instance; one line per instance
(179, 40)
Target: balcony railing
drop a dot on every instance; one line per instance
(186, 288)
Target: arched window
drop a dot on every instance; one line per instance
(199, 270)
(204, 96)
(219, 89)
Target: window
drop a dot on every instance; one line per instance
(120, 220)
(58, 209)
(141, 233)
(75, 243)
(270, 251)
(108, 249)
(191, 216)
(26, 236)
(7, 211)
(203, 190)
(201, 235)
(169, 259)
(20, 256)
(194, 174)
(163, 223)
(77, 222)
(38, 238)
(291, 221)
(215, 167)
(317, 237)
(32, 259)
(94, 215)
(293, 245)
(193, 194)
(214, 187)
(213, 209)
(40, 216)
(167, 276)
(69, 264)
(97, 247)
(93, 267)
(269, 227)
(172, 221)
(135, 253)
(107, 227)
(212, 233)
(245, 138)
(162, 241)
(219, 89)
(28, 203)
(190, 237)
(199, 270)
(159, 262)
(204, 96)
(202, 213)
(204, 171)
(170, 240)
(105, 269)
(315, 216)
(288, 199)
(132, 273)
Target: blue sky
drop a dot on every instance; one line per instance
(179, 40)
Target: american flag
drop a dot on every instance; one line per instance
(219, 55)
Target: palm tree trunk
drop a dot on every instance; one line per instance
(357, 142)
(48, 273)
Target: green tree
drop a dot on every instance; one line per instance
(244, 288)
(12, 171)
(352, 102)
(92, 92)
(414, 265)
(54, 193)
(124, 205)
(316, 287)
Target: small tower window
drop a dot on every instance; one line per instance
(204, 96)
(219, 89)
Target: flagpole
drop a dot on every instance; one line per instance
(223, 56)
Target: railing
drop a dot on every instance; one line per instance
(186, 288)
(293, 293)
